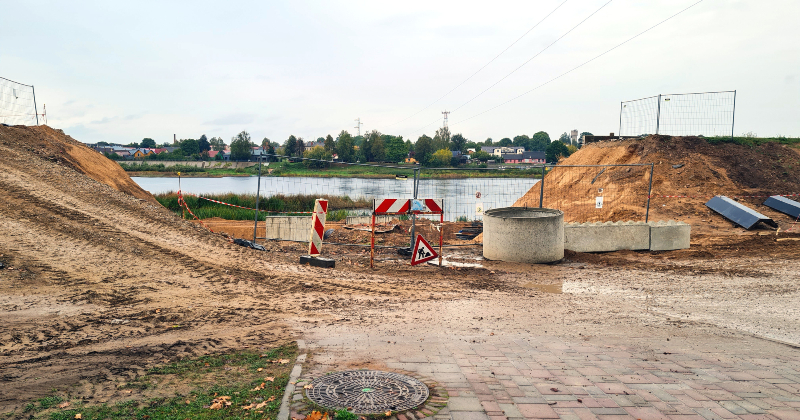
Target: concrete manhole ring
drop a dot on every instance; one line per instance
(368, 391)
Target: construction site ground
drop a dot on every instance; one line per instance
(99, 285)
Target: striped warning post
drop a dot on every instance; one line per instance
(318, 227)
(390, 205)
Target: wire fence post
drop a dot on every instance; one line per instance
(620, 121)
(35, 110)
(658, 113)
(541, 187)
(649, 194)
(413, 215)
(258, 191)
(733, 114)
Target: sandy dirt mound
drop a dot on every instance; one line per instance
(55, 146)
(688, 171)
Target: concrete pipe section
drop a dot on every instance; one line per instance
(526, 235)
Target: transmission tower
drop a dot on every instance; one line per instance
(445, 117)
(358, 125)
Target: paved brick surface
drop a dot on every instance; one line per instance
(546, 378)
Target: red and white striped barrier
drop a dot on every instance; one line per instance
(390, 205)
(248, 208)
(317, 227)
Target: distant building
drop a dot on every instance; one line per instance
(524, 157)
(500, 150)
(573, 135)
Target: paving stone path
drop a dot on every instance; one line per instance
(523, 377)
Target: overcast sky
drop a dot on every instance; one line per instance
(121, 71)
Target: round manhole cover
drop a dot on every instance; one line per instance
(368, 391)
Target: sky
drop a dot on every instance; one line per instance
(122, 71)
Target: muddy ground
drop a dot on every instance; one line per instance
(99, 285)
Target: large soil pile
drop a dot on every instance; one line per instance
(55, 146)
(688, 171)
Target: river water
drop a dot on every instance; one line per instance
(462, 197)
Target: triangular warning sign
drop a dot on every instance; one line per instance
(423, 251)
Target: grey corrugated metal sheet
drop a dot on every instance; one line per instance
(738, 213)
(784, 205)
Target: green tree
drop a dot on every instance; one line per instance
(539, 141)
(423, 149)
(240, 146)
(481, 156)
(441, 158)
(369, 148)
(148, 142)
(505, 142)
(522, 141)
(396, 149)
(585, 133)
(458, 142)
(317, 153)
(441, 140)
(488, 141)
(290, 146)
(217, 144)
(330, 145)
(203, 143)
(565, 138)
(344, 147)
(265, 143)
(556, 150)
(102, 143)
(271, 153)
(301, 147)
(190, 147)
(572, 149)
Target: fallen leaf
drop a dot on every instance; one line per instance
(78, 416)
(283, 361)
(554, 389)
(216, 406)
(158, 311)
(388, 413)
(270, 399)
(259, 369)
(262, 404)
(247, 407)
(316, 415)
(259, 387)
(309, 386)
(65, 404)
(270, 378)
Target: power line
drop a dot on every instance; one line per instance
(531, 59)
(481, 69)
(582, 64)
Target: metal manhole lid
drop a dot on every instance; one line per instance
(368, 391)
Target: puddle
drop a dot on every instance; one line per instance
(547, 288)
(446, 263)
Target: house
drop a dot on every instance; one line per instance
(500, 150)
(524, 157)
(533, 157)
(470, 151)
(213, 153)
(141, 153)
(462, 158)
(123, 153)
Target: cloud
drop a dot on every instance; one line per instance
(232, 119)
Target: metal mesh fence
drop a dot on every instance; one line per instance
(589, 193)
(17, 103)
(596, 193)
(684, 114)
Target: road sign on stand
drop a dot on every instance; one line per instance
(423, 251)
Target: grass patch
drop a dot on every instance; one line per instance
(338, 206)
(237, 380)
(751, 140)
